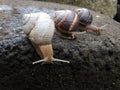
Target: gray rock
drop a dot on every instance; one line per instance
(5, 11)
(95, 60)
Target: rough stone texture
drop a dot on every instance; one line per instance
(95, 60)
(5, 11)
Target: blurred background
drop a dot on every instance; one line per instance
(117, 17)
(107, 7)
(102, 6)
(110, 8)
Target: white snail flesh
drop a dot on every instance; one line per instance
(39, 28)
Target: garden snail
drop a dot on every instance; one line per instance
(85, 20)
(39, 29)
(66, 23)
(69, 23)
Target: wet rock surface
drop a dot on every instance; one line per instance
(95, 60)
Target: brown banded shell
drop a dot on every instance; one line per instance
(85, 16)
(66, 21)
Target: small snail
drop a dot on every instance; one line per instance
(39, 29)
(66, 23)
(69, 23)
(85, 20)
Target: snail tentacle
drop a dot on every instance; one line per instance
(39, 61)
(59, 60)
(45, 61)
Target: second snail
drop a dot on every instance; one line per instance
(68, 23)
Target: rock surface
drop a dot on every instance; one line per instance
(95, 60)
(5, 12)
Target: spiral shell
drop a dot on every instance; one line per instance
(66, 21)
(39, 27)
(84, 15)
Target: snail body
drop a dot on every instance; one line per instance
(39, 29)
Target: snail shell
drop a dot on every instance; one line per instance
(66, 21)
(38, 27)
(85, 16)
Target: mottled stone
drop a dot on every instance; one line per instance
(5, 11)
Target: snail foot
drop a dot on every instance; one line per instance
(69, 36)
